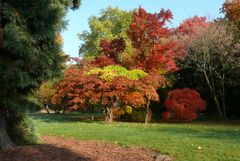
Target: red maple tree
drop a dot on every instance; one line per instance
(152, 41)
(192, 26)
(110, 51)
(188, 29)
(112, 48)
(182, 105)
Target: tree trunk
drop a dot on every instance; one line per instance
(47, 109)
(109, 116)
(216, 101)
(64, 110)
(5, 141)
(147, 110)
(92, 117)
(146, 117)
(92, 110)
(223, 97)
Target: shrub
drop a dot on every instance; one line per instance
(183, 105)
(21, 129)
(128, 110)
(117, 112)
(138, 116)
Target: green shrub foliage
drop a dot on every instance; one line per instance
(21, 129)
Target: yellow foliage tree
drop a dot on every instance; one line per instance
(232, 10)
(45, 92)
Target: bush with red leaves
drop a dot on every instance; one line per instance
(183, 105)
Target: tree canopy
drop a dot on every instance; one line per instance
(30, 52)
(112, 75)
(112, 23)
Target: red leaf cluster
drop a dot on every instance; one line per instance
(152, 40)
(193, 26)
(188, 29)
(182, 105)
(112, 48)
(147, 29)
(110, 51)
(102, 61)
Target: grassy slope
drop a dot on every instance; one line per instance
(184, 142)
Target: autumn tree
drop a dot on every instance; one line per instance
(191, 27)
(154, 47)
(214, 53)
(45, 92)
(145, 38)
(183, 105)
(139, 40)
(187, 77)
(29, 52)
(232, 10)
(156, 51)
(107, 86)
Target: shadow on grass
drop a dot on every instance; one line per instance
(65, 118)
(43, 152)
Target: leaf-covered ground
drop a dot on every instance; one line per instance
(61, 149)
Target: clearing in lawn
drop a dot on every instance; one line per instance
(183, 142)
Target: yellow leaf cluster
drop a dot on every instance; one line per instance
(232, 9)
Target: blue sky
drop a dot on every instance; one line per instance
(181, 9)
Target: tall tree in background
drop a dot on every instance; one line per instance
(215, 54)
(151, 38)
(232, 10)
(155, 50)
(29, 51)
(145, 38)
(111, 24)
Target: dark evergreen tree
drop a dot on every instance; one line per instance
(29, 52)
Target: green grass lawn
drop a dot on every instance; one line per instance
(184, 142)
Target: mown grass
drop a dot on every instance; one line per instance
(184, 142)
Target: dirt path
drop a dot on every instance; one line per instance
(60, 149)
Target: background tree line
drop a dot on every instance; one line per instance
(198, 54)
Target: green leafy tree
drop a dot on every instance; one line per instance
(112, 23)
(29, 51)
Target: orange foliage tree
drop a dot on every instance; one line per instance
(84, 89)
(232, 10)
(154, 52)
